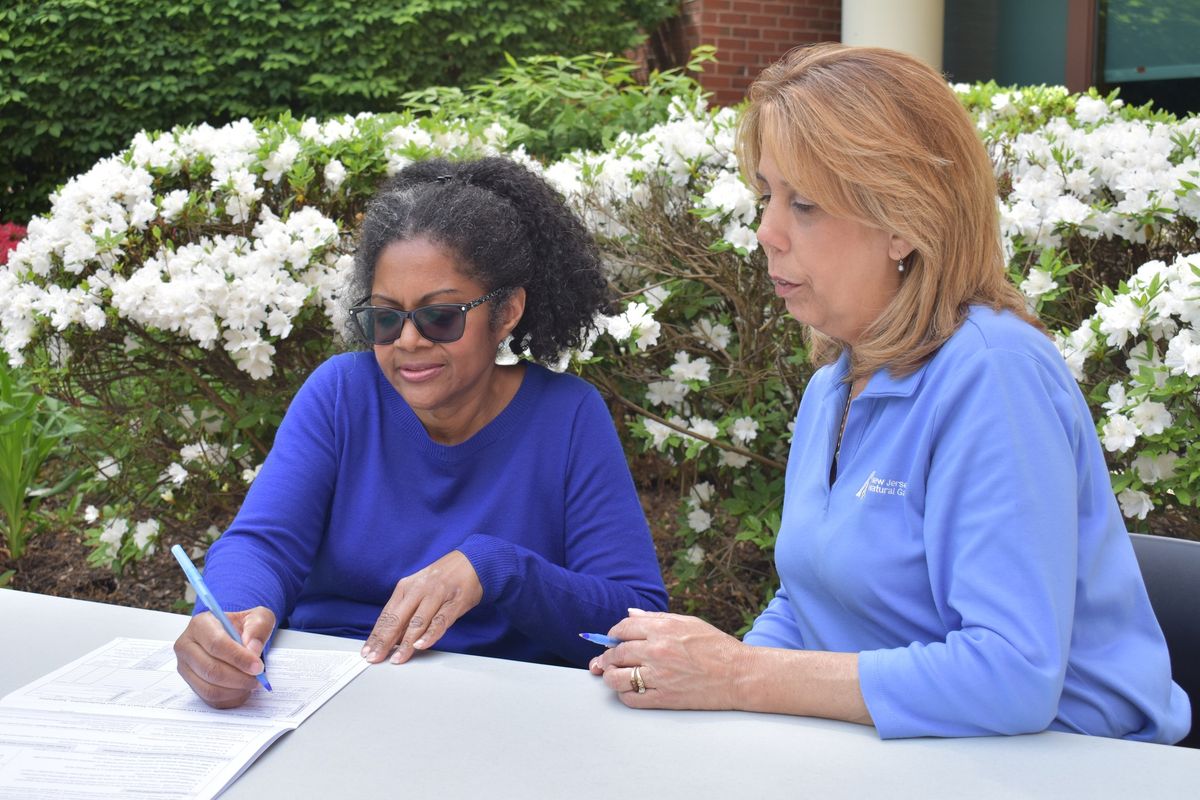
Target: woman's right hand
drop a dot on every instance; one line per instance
(221, 671)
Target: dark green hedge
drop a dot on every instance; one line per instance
(79, 77)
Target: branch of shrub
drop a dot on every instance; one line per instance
(616, 395)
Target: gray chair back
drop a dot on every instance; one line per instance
(1171, 570)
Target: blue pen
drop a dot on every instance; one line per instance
(202, 591)
(600, 638)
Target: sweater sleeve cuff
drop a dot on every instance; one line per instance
(870, 683)
(495, 562)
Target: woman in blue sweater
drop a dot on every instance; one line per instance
(421, 495)
(952, 558)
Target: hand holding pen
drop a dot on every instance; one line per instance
(221, 660)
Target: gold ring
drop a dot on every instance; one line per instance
(638, 685)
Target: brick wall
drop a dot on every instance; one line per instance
(750, 34)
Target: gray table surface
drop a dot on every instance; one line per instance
(451, 726)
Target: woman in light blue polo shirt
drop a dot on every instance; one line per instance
(952, 558)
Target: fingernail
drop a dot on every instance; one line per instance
(367, 652)
(396, 658)
(633, 612)
(419, 643)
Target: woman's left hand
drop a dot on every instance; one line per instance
(422, 607)
(683, 662)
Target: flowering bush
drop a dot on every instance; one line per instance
(182, 290)
(1099, 210)
(1141, 349)
(178, 294)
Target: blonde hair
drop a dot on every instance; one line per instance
(879, 137)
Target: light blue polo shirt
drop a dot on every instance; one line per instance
(970, 550)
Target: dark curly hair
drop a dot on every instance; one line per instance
(509, 228)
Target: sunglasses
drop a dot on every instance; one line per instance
(442, 322)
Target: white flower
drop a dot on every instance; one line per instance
(667, 393)
(618, 327)
(173, 203)
(641, 321)
(145, 533)
(108, 468)
(281, 159)
(1002, 104)
(741, 237)
(175, 473)
(695, 553)
(659, 433)
(249, 474)
(91, 514)
(731, 197)
(655, 296)
(191, 452)
(704, 427)
(1119, 434)
(699, 520)
(335, 174)
(1150, 417)
(1119, 320)
(1183, 354)
(713, 334)
(1152, 469)
(114, 533)
(700, 494)
(729, 458)
(1135, 503)
(1089, 110)
(1038, 282)
(1116, 398)
(744, 429)
(685, 369)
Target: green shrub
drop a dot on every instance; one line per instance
(555, 104)
(79, 77)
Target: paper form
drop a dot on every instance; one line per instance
(121, 720)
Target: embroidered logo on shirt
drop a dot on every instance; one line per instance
(877, 485)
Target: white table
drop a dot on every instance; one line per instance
(450, 726)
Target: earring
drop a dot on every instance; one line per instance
(900, 265)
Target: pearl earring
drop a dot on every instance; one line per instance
(900, 265)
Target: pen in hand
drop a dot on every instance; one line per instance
(206, 596)
(600, 638)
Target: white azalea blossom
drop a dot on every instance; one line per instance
(108, 468)
(744, 430)
(1150, 417)
(1135, 503)
(713, 334)
(667, 393)
(1119, 433)
(335, 174)
(687, 369)
(699, 520)
(733, 460)
(145, 534)
(1152, 469)
(1038, 283)
(176, 473)
(659, 433)
(114, 533)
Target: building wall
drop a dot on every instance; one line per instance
(750, 34)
